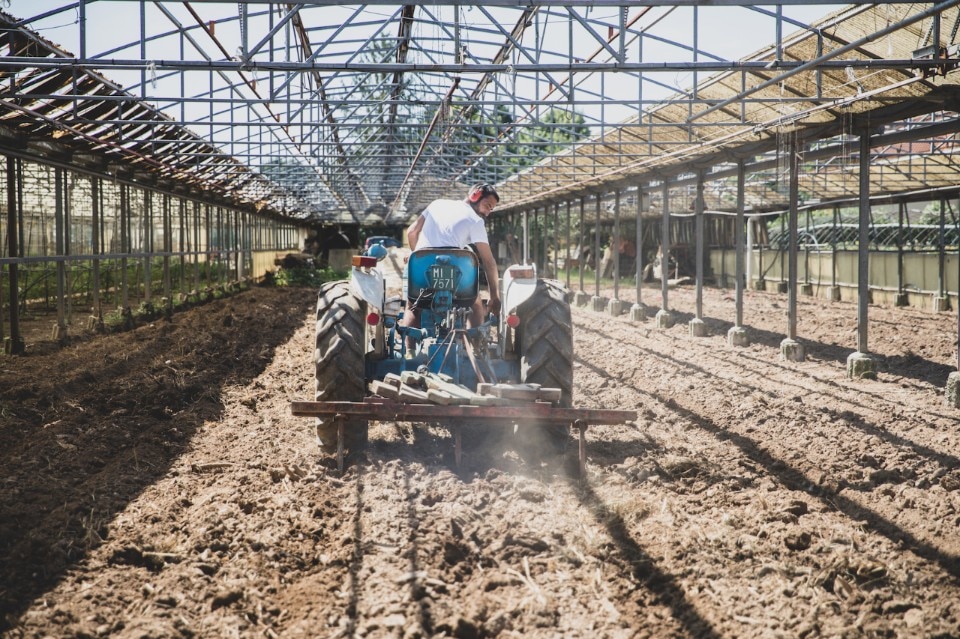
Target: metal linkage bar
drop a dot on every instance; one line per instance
(529, 414)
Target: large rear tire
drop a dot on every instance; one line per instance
(546, 350)
(339, 357)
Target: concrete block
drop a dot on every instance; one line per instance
(697, 328)
(13, 346)
(581, 298)
(953, 390)
(59, 332)
(664, 319)
(599, 303)
(615, 308)
(738, 336)
(903, 299)
(791, 351)
(783, 287)
(806, 289)
(835, 293)
(861, 366)
(941, 304)
(760, 285)
(638, 313)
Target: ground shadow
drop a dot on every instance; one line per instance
(88, 428)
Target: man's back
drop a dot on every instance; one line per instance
(451, 223)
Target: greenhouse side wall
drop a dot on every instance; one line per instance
(921, 280)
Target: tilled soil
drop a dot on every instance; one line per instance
(155, 485)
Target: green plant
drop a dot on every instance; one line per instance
(306, 276)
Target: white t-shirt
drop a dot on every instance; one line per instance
(451, 223)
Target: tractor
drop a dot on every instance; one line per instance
(361, 340)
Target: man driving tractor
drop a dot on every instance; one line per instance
(457, 224)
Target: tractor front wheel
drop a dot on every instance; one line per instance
(339, 360)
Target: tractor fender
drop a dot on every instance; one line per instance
(368, 285)
(519, 283)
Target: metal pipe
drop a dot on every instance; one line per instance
(15, 345)
(638, 265)
(699, 239)
(583, 202)
(738, 241)
(665, 247)
(526, 240)
(615, 245)
(596, 252)
(794, 148)
(59, 230)
(124, 245)
(863, 248)
(554, 235)
(566, 262)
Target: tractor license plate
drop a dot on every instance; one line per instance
(442, 277)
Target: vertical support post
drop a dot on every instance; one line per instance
(536, 239)
(863, 244)
(60, 329)
(665, 247)
(67, 244)
(700, 240)
(596, 248)
(663, 318)
(96, 311)
(638, 263)
(147, 247)
(124, 246)
(638, 312)
(793, 224)
(208, 227)
(583, 204)
(526, 239)
(167, 244)
(738, 235)
(859, 363)
(566, 262)
(615, 245)
(790, 348)
(3, 332)
(902, 297)
(13, 345)
(942, 257)
(696, 326)
(556, 237)
(83, 30)
(737, 335)
(196, 247)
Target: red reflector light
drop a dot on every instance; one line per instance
(364, 261)
(513, 321)
(373, 319)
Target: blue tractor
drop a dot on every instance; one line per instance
(359, 338)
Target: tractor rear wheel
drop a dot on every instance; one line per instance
(339, 357)
(546, 350)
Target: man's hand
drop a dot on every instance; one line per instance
(493, 306)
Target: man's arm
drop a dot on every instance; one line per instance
(413, 233)
(493, 276)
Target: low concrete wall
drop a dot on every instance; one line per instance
(920, 274)
(263, 261)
